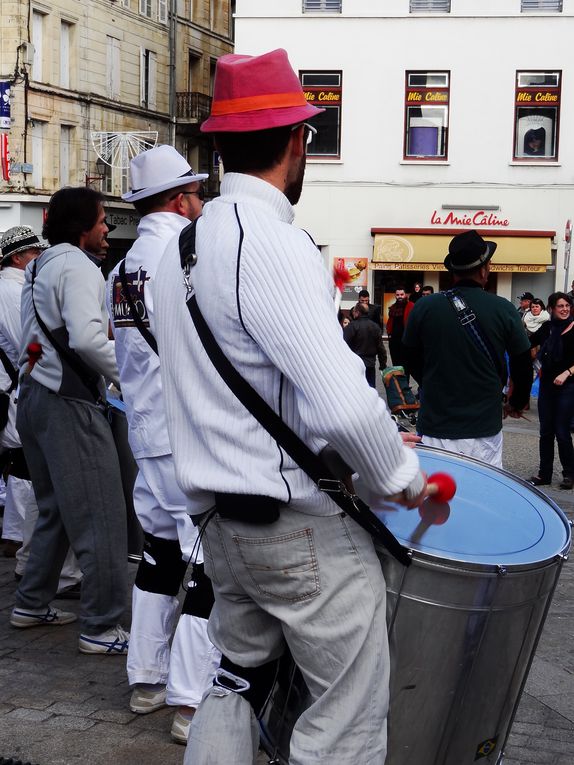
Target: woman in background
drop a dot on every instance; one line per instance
(556, 397)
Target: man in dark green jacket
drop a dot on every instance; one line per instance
(456, 344)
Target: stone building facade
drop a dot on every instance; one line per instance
(102, 77)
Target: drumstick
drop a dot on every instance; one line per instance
(441, 487)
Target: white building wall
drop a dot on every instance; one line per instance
(482, 43)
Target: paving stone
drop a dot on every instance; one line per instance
(63, 722)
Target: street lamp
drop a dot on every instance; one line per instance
(100, 172)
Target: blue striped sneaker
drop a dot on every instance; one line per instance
(39, 617)
(114, 642)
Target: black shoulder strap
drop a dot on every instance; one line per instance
(307, 460)
(90, 381)
(144, 331)
(473, 328)
(9, 369)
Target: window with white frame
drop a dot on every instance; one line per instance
(162, 11)
(38, 43)
(148, 77)
(537, 115)
(125, 3)
(37, 141)
(426, 115)
(322, 6)
(66, 143)
(145, 8)
(324, 89)
(65, 61)
(429, 6)
(113, 67)
(541, 5)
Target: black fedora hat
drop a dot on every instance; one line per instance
(468, 251)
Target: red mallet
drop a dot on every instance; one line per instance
(34, 354)
(441, 487)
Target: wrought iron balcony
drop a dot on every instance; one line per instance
(192, 107)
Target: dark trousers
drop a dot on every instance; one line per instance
(76, 477)
(398, 355)
(371, 375)
(555, 410)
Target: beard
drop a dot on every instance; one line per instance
(294, 183)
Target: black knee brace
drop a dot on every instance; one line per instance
(199, 597)
(165, 577)
(260, 681)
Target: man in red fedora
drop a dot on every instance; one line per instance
(288, 568)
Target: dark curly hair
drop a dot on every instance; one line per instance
(71, 212)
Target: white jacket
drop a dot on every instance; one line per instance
(268, 299)
(69, 294)
(11, 283)
(138, 365)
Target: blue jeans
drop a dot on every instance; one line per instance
(555, 410)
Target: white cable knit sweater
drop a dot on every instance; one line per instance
(290, 348)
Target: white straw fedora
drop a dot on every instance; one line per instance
(159, 169)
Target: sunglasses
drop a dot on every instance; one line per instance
(309, 132)
(200, 194)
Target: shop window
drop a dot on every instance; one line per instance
(541, 5)
(434, 6)
(426, 115)
(324, 89)
(322, 6)
(537, 115)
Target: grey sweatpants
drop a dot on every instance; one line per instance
(75, 472)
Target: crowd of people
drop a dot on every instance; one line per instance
(271, 560)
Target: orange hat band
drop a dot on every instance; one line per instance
(254, 103)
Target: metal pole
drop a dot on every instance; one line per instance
(172, 72)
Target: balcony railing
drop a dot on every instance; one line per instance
(192, 107)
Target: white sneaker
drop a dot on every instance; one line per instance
(180, 728)
(114, 642)
(144, 701)
(39, 617)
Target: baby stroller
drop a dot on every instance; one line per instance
(400, 398)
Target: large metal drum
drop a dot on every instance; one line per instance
(464, 619)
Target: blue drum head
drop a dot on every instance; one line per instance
(495, 518)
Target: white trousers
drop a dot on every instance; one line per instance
(21, 493)
(485, 449)
(189, 667)
(14, 509)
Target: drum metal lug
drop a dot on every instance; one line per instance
(501, 570)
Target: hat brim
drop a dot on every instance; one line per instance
(133, 196)
(484, 258)
(260, 119)
(23, 249)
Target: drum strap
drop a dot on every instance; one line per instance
(297, 449)
(473, 328)
(144, 331)
(87, 376)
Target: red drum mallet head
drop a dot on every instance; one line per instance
(441, 487)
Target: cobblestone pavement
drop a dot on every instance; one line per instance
(58, 707)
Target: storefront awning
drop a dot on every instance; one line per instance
(419, 250)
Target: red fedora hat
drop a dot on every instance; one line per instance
(256, 93)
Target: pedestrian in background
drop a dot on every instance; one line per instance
(365, 338)
(556, 395)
